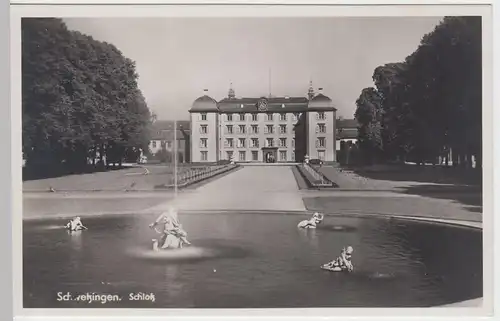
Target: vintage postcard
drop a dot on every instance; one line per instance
(224, 160)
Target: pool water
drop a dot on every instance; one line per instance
(251, 261)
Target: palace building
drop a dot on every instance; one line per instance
(263, 129)
(163, 136)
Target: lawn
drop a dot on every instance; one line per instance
(147, 177)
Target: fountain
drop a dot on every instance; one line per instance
(254, 260)
(260, 259)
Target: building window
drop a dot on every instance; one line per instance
(282, 142)
(255, 117)
(293, 155)
(229, 129)
(229, 117)
(321, 142)
(154, 144)
(283, 117)
(242, 117)
(269, 129)
(241, 142)
(269, 116)
(203, 116)
(321, 128)
(204, 155)
(229, 155)
(254, 142)
(321, 155)
(295, 116)
(241, 129)
(320, 115)
(203, 143)
(282, 155)
(168, 144)
(255, 155)
(255, 129)
(293, 142)
(229, 143)
(204, 129)
(242, 156)
(282, 129)
(269, 142)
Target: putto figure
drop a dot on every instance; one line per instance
(341, 263)
(315, 220)
(75, 225)
(173, 235)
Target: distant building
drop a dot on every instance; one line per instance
(262, 129)
(162, 136)
(347, 131)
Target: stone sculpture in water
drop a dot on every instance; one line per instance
(315, 220)
(173, 235)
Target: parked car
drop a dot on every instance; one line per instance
(315, 161)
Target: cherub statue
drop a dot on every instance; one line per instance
(75, 225)
(341, 263)
(315, 220)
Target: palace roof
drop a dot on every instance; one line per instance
(263, 104)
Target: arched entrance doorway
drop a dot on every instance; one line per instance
(269, 154)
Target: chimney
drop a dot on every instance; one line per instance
(320, 90)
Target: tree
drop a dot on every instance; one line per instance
(80, 99)
(369, 116)
(431, 102)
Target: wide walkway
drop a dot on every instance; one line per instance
(251, 187)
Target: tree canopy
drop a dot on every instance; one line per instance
(429, 103)
(81, 100)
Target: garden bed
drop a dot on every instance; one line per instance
(194, 175)
(314, 178)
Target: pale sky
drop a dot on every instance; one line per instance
(178, 57)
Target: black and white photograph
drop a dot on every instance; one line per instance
(252, 162)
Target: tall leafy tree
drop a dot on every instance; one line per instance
(369, 115)
(432, 102)
(80, 98)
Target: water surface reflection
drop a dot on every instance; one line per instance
(253, 261)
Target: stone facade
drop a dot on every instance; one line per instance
(261, 129)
